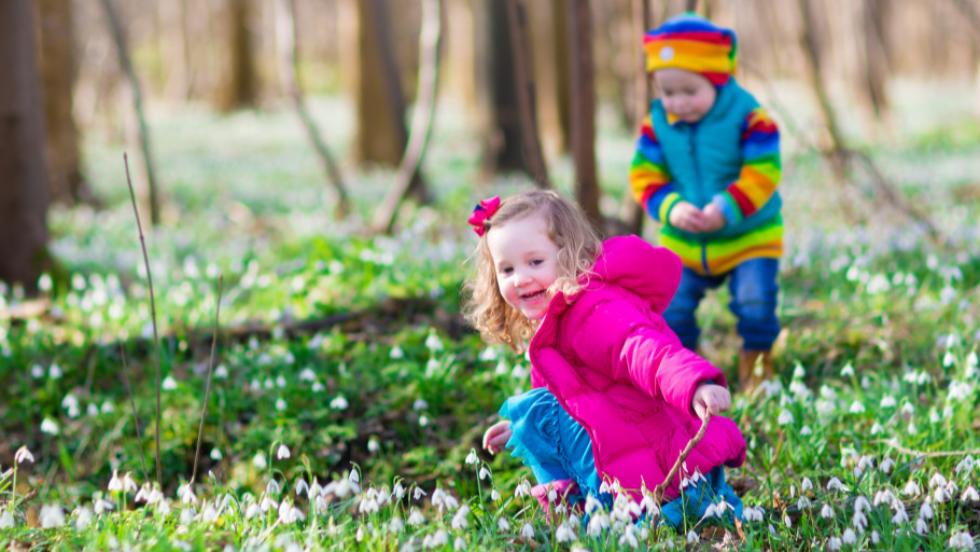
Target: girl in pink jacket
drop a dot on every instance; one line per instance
(615, 396)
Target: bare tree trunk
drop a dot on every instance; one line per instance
(241, 90)
(23, 178)
(524, 82)
(286, 33)
(875, 66)
(58, 72)
(839, 156)
(122, 52)
(642, 20)
(583, 106)
(691, 5)
(561, 66)
(430, 46)
(499, 114)
(179, 61)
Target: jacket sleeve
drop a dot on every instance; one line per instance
(761, 168)
(650, 180)
(638, 347)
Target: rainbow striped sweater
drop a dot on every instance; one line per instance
(730, 158)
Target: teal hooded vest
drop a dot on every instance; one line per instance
(705, 157)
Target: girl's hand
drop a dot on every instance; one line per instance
(687, 217)
(713, 219)
(496, 436)
(711, 399)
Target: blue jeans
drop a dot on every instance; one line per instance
(753, 289)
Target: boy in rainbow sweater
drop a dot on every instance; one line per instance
(706, 167)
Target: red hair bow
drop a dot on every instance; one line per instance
(482, 213)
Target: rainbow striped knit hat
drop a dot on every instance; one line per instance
(692, 43)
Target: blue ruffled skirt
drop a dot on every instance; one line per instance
(555, 447)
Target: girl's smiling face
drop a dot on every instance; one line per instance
(526, 263)
(685, 94)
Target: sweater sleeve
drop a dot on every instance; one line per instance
(637, 347)
(650, 180)
(761, 168)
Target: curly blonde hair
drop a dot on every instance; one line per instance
(578, 246)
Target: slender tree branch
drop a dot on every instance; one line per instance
(207, 385)
(153, 314)
(658, 491)
(132, 405)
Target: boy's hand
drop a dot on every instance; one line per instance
(496, 436)
(711, 399)
(687, 217)
(713, 219)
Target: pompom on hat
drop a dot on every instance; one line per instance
(692, 43)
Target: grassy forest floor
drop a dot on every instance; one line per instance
(343, 360)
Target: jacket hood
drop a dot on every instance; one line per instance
(629, 262)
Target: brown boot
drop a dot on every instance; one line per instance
(753, 368)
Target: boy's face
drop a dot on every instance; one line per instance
(685, 94)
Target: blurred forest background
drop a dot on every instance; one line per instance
(517, 75)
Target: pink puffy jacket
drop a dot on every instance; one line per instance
(614, 365)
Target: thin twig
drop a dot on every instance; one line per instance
(933, 454)
(658, 491)
(132, 404)
(153, 313)
(207, 385)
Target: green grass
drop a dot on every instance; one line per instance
(879, 359)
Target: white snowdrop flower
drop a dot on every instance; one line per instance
(433, 343)
(169, 383)
(503, 524)
(888, 401)
(965, 465)
(753, 514)
(859, 521)
(494, 495)
(806, 485)
(886, 465)
(787, 521)
(288, 513)
(833, 543)
(282, 452)
(280, 381)
(317, 387)
(472, 459)
(252, 510)
(186, 494)
(962, 540)
(527, 531)
(398, 491)
(629, 537)
(354, 477)
(826, 512)
(420, 404)
(847, 371)
(54, 372)
(396, 353)
(937, 480)
(49, 426)
(301, 487)
(52, 516)
(883, 496)
(70, 404)
(925, 511)
(281, 404)
(221, 372)
(143, 494)
(396, 525)
(91, 410)
(948, 359)
(415, 517)
(523, 489)
(23, 455)
(6, 519)
(83, 517)
(861, 504)
(849, 536)
(423, 420)
(108, 407)
(969, 495)
(785, 418)
(693, 538)
(435, 540)
(272, 487)
(37, 372)
(552, 495)
(129, 484)
(488, 354)
(598, 523)
(901, 516)
(208, 513)
(803, 503)
(857, 407)
(835, 485)
(115, 482)
(912, 488)
(875, 537)
(216, 454)
(484, 473)
(565, 533)
(805, 430)
(259, 461)
(940, 495)
(921, 527)
(373, 445)
(307, 375)
(268, 503)
(459, 520)
(459, 544)
(417, 493)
